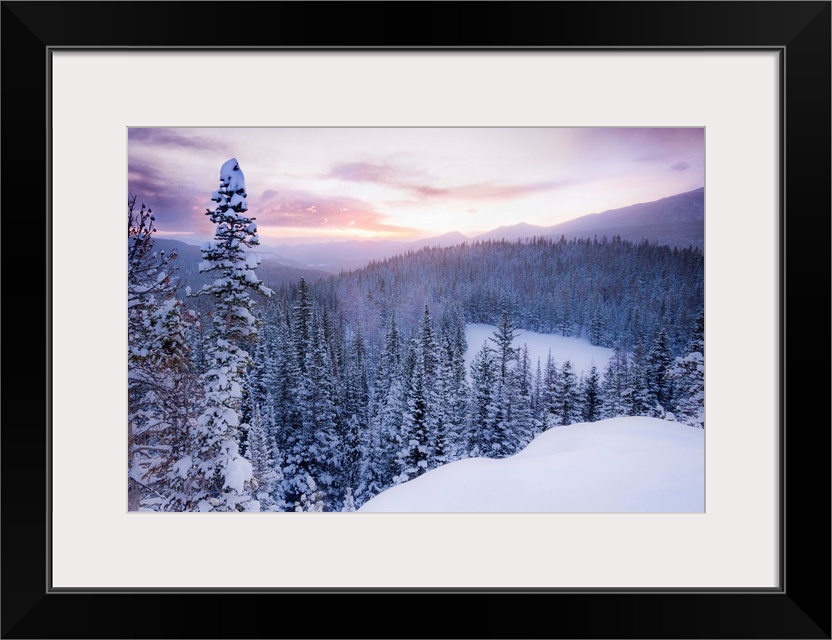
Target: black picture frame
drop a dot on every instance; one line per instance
(799, 608)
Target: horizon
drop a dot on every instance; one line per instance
(319, 185)
(301, 241)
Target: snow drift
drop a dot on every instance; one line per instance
(618, 465)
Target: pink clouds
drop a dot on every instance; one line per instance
(489, 191)
(300, 209)
(399, 178)
(411, 181)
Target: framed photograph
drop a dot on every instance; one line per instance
(413, 139)
(407, 337)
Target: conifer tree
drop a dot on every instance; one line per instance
(349, 502)
(163, 391)
(382, 441)
(454, 399)
(265, 462)
(550, 394)
(616, 381)
(591, 396)
(311, 499)
(483, 436)
(659, 362)
(502, 338)
(352, 417)
(511, 431)
(523, 415)
(537, 400)
(279, 379)
(355, 419)
(220, 476)
(415, 454)
(638, 398)
(569, 403)
(440, 411)
(687, 375)
(317, 453)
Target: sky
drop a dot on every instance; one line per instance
(322, 184)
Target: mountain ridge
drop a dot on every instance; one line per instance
(676, 221)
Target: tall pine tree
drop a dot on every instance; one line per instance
(220, 476)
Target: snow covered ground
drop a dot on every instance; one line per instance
(618, 465)
(580, 352)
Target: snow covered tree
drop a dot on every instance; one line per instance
(687, 375)
(162, 386)
(299, 390)
(550, 394)
(659, 362)
(596, 324)
(454, 388)
(355, 418)
(503, 338)
(314, 447)
(569, 402)
(312, 499)
(265, 462)
(381, 442)
(537, 401)
(697, 338)
(591, 396)
(482, 436)
(438, 365)
(522, 413)
(430, 349)
(616, 381)
(511, 423)
(220, 476)
(301, 326)
(415, 453)
(349, 502)
(637, 396)
(278, 376)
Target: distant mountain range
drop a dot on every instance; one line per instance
(674, 221)
(272, 270)
(345, 255)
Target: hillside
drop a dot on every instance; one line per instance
(675, 221)
(344, 255)
(272, 270)
(617, 465)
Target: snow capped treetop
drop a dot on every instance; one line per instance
(226, 256)
(232, 191)
(231, 177)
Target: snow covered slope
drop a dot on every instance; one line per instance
(617, 465)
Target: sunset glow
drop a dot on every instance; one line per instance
(309, 184)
